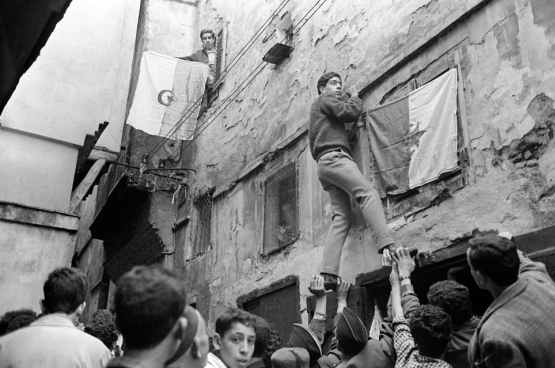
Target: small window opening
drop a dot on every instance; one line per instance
(281, 220)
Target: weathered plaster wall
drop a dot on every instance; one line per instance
(81, 78)
(506, 57)
(32, 243)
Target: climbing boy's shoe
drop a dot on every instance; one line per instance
(330, 281)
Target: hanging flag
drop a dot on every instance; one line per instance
(169, 91)
(414, 140)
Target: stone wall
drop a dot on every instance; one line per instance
(503, 50)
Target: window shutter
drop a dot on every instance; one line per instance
(220, 55)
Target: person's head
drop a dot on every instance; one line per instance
(20, 322)
(453, 298)
(430, 328)
(235, 337)
(351, 333)
(493, 259)
(274, 343)
(208, 39)
(149, 303)
(262, 331)
(104, 331)
(65, 291)
(102, 316)
(330, 82)
(193, 350)
(303, 337)
(8, 317)
(290, 358)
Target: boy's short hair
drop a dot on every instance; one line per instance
(105, 332)
(208, 30)
(65, 290)
(323, 81)
(149, 300)
(495, 256)
(262, 331)
(227, 319)
(453, 298)
(430, 328)
(274, 343)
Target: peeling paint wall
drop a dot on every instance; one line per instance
(505, 50)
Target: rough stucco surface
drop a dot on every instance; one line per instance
(507, 58)
(27, 255)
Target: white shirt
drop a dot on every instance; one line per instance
(52, 341)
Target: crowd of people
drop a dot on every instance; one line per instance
(154, 327)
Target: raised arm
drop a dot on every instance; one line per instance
(318, 323)
(345, 112)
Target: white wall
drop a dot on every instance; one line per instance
(81, 77)
(35, 171)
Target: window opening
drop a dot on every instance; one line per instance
(202, 223)
(281, 225)
(279, 304)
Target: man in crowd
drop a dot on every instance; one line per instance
(339, 174)
(149, 304)
(193, 350)
(53, 340)
(518, 328)
(454, 299)
(234, 340)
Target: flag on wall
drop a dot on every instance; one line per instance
(168, 90)
(414, 140)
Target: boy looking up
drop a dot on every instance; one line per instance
(234, 340)
(339, 174)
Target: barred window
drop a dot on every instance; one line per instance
(202, 223)
(281, 219)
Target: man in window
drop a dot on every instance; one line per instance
(339, 174)
(207, 55)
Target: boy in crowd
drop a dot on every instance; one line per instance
(149, 305)
(234, 340)
(423, 343)
(339, 174)
(454, 299)
(53, 340)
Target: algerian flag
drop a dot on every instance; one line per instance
(414, 139)
(169, 92)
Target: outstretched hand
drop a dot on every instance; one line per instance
(394, 275)
(405, 263)
(342, 290)
(386, 258)
(317, 286)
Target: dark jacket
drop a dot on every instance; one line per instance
(518, 329)
(326, 129)
(199, 56)
(456, 353)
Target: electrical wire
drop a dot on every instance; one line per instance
(226, 70)
(213, 116)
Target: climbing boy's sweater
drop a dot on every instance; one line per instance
(326, 130)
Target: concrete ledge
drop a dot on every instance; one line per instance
(14, 212)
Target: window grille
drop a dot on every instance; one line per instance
(281, 219)
(202, 223)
